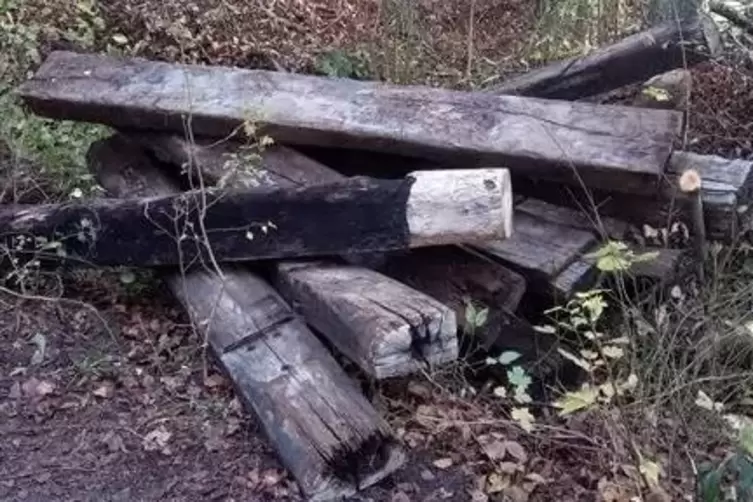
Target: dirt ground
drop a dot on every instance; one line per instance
(108, 395)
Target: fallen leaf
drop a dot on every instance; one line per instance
(516, 450)
(400, 497)
(15, 391)
(500, 392)
(516, 494)
(214, 381)
(156, 439)
(419, 390)
(105, 391)
(443, 463)
(114, 442)
(508, 357)
(494, 449)
(120, 39)
(508, 467)
(704, 401)
(574, 401)
(613, 352)
(271, 477)
(650, 471)
(36, 388)
(524, 418)
(478, 496)
(41, 343)
(427, 475)
(495, 483)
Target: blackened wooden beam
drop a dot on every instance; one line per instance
(625, 149)
(220, 225)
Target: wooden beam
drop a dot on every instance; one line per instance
(385, 327)
(726, 193)
(325, 432)
(625, 149)
(355, 215)
(632, 60)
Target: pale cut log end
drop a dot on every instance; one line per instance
(690, 181)
(459, 206)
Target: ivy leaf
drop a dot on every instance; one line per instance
(524, 418)
(518, 378)
(577, 400)
(508, 357)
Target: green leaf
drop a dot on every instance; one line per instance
(578, 400)
(508, 357)
(710, 485)
(518, 378)
(481, 317)
(746, 439)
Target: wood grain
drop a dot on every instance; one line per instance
(619, 147)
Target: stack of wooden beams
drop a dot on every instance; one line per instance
(375, 250)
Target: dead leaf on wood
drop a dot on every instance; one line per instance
(157, 439)
(443, 463)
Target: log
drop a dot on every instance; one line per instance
(385, 327)
(325, 432)
(388, 329)
(355, 215)
(616, 147)
(634, 59)
(726, 196)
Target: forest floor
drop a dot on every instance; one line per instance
(106, 392)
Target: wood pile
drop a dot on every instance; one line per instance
(375, 211)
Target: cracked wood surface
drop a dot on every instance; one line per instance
(324, 430)
(618, 147)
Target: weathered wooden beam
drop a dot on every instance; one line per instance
(670, 45)
(388, 329)
(385, 327)
(727, 192)
(625, 149)
(325, 432)
(356, 215)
